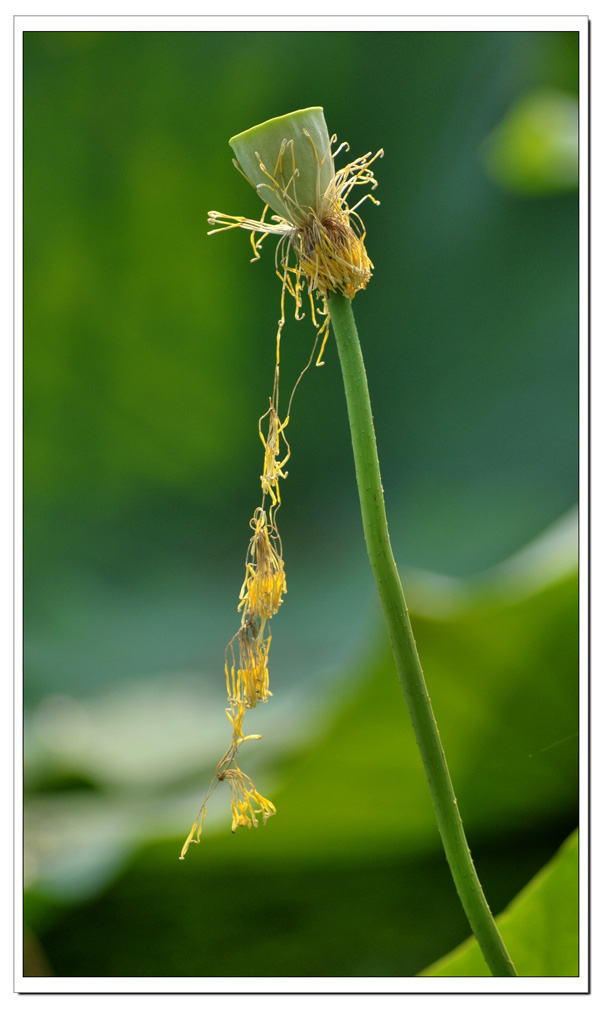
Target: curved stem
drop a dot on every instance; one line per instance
(403, 643)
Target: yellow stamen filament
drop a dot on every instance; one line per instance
(197, 827)
(265, 581)
(272, 466)
(244, 796)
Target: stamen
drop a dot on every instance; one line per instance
(322, 248)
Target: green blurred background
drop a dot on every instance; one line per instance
(149, 354)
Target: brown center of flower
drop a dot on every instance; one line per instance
(332, 256)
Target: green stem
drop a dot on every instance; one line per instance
(403, 643)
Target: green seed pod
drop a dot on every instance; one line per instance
(296, 156)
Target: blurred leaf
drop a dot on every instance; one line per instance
(354, 841)
(501, 672)
(535, 149)
(540, 927)
(212, 916)
(502, 675)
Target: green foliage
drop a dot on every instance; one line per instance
(541, 926)
(501, 679)
(353, 849)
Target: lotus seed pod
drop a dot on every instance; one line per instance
(295, 151)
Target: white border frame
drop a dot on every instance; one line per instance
(294, 23)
